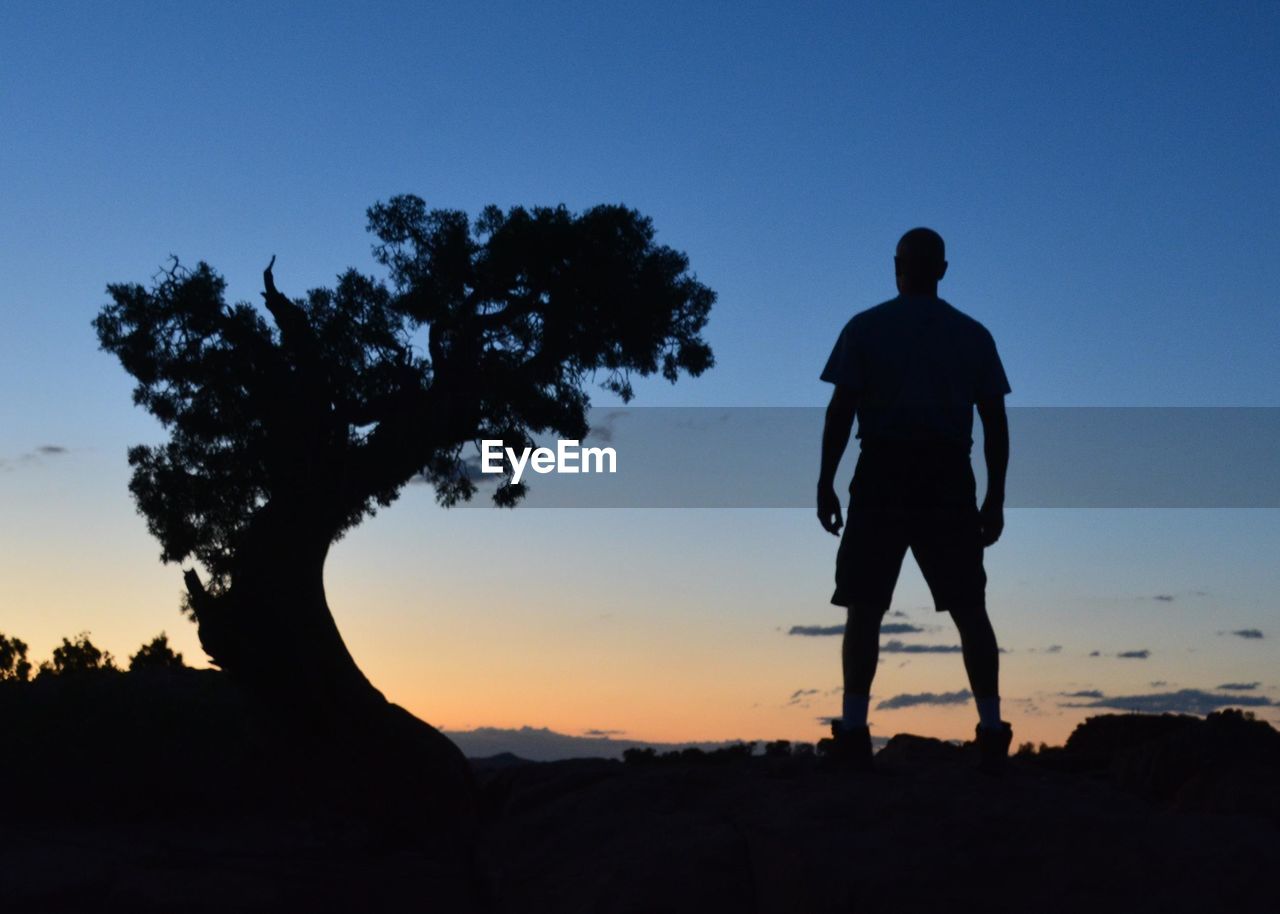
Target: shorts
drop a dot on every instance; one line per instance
(915, 499)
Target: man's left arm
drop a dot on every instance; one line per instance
(835, 438)
(995, 448)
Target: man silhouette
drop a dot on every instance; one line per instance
(911, 370)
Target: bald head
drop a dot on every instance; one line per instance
(920, 261)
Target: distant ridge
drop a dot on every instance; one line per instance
(541, 744)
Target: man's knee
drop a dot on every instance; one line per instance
(971, 617)
(866, 615)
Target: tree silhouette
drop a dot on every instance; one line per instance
(75, 658)
(285, 434)
(156, 655)
(14, 666)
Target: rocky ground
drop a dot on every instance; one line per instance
(926, 831)
(1136, 813)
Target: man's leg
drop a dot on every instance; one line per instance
(948, 549)
(981, 661)
(867, 565)
(860, 653)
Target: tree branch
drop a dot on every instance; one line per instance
(405, 439)
(496, 320)
(292, 320)
(200, 598)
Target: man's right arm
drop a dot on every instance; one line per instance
(835, 438)
(995, 448)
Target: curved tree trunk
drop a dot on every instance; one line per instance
(273, 632)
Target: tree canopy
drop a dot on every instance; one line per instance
(484, 328)
(14, 666)
(156, 654)
(78, 657)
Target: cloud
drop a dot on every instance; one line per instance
(799, 695)
(1134, 655)
(1171, 597)
(38, 455)
(1183, 701)
(602, 431)
(900, 628)
(603, 733)
(1247, 633)
(1082, 693)
(1239, 686)
(911, 700)
(895, 646)
(816, 630)
(888, 628)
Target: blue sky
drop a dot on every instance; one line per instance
(1106, 176)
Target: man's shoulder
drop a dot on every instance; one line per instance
(965, 323)
(876, 314)
(894, 313)
(886, 308)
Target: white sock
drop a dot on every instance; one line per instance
(989, 712)
(855, 711)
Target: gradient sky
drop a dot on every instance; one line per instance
(1107, 177)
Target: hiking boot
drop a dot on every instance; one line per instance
(848, 749)
(993, 747)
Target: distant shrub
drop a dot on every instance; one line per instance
(736, 750)
(802, 750)
(778, 748)
(691, 755)
(156, 655)
(74, 658)
(13, 660)
(639, 756)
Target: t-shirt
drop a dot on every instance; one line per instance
(917, 366)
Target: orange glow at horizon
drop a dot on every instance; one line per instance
(667, 626)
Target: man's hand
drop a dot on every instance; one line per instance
(991, 520)
(829, 514)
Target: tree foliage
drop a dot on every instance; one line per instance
(78, 657)
(14, 666)
(156, 655)
(491, 328)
